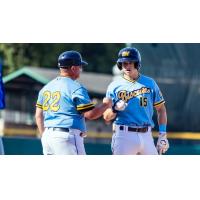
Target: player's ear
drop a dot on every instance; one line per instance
(73, 68)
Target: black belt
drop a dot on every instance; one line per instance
(66, 130)
(60, 129)
(141, 130)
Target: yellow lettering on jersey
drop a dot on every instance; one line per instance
(143, 101)
(125, 95)
(47, 96)
(56, 97)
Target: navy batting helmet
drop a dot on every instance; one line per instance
(129, 54)
(70, 58)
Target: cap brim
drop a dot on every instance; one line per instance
(83, 63)
(126, 59)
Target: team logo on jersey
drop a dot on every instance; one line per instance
(125, 53)
(126, 95)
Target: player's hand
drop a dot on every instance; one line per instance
(120, 105)
(162, 144)
(108, 115)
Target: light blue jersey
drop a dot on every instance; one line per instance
(141, 95)
(63, 100)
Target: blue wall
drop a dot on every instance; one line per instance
(32, 146)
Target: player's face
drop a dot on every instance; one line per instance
(76, 71)
(129, 69)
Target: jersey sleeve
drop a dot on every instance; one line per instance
(82, 100)
(110, 93)
(39, 100)
(158, 97)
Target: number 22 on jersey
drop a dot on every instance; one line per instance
(54, 97)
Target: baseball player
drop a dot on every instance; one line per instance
(134, 97)
(62, 106)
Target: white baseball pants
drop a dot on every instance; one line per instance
(62, 143)
(125, 142)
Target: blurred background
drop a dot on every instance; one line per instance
(27, 67)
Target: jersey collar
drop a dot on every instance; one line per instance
(131, 80)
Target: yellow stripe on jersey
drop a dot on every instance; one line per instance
(39, 105)
(159, 103)
(85, 106)
(131, 80)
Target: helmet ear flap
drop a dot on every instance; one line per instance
(137, 65)
(119, 65)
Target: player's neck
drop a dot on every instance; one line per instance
(67, 75)
(133, 77)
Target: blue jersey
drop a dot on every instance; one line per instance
(63, 100)
(141, 96)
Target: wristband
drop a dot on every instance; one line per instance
(162, 128)
(113, 109)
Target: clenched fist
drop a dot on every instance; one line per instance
(119, 106)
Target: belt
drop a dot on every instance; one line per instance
(141, 130)
(67, 130)
(60, 129)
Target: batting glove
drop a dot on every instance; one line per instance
(119, 105)
(162, 144)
